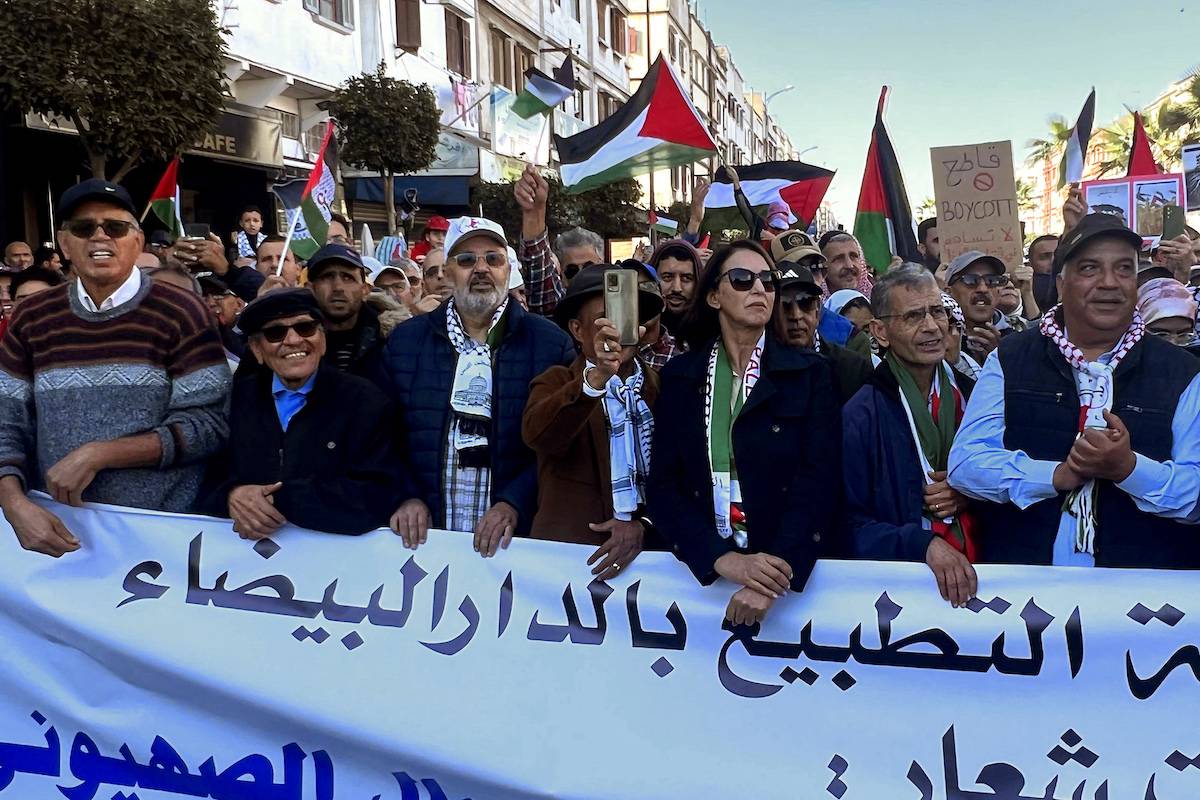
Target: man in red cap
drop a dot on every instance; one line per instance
(433, 237)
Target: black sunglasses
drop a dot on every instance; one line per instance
(806, 302)
(113, 228)
(571, 270)
(492, 258)
(992, 281)
(277, 333)
(742, 279)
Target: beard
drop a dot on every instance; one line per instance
(479, 302)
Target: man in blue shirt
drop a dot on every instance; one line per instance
(1084, 433)
(309, 445)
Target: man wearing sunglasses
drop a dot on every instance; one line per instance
(974, 280)
(296, 455)
(131, 380)
(796, 321)
(460, 377)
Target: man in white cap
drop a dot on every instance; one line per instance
(460, 376)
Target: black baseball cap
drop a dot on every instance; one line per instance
(93, 189)
(276, 305)
(589, 283)
(160, 238)
(1090, 227)
(211, 283)
(332, 254)
(793, 275)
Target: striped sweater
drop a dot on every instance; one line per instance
(69, 376)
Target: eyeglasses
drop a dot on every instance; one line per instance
(807, 302)
(992, 281)
(818, 269)
(571, 270)
(113, 228)
(492, 258)
(742, 279)
(1182, 338)
(277, 333)
(912, 319)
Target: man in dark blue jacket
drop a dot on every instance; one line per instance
(460, 377)
(896, 437)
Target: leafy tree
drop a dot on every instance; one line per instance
(1051, 147)
(139, 79)
(611, 211)
(386, 125)
(1025, 201)
(928, 208)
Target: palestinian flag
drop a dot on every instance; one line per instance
(658, 128)
(802, 186)
(164, 202)
(1141, 157)
(542, 92)
(1070, 170)
(664, 225)
(316, 201)
(884, 223)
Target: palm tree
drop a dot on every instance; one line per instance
(1025, 200)
(1167, 130)
(1050, 148)
(927, 208)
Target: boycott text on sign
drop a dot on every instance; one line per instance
(168, 658)
(976, 198)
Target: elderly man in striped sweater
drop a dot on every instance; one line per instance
(112, 387)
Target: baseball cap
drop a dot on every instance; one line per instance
(1090, 227)
(161, 238)
(334, 253)
(794, 275)
(437, 223)
(464, 229)
(211, 283)
(969, 258)
(93, 189)
(1163, 298)
(372, 266)
(589, 283)
(793, 246)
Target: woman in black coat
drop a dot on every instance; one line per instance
(745, 468)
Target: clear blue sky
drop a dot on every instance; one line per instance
(961, 72)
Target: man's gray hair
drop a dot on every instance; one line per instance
(578, 237)
(844, 236)
(908, 275)
(403, 262)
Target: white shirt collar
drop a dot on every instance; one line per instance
(124, 293)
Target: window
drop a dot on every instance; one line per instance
(608, 105)
(408, 24)
(618, 35)
(333, 10)
(602, 21)
(637, 42)
(291, 125)
(580, 98)
(458, 44)
(525, 60)
(502, 65)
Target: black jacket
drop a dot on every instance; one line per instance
(851, 371)
(338, 460)
(787, 446)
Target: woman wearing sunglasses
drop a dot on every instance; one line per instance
(747, 433)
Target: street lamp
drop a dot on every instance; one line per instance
(806, 150)
(767, 98)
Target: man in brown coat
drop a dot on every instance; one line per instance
(590, 425)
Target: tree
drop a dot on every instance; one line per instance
(388, 126)
(928, 208)
(611, 211)
(1051, 147)
(139, 79)
(1025, 201)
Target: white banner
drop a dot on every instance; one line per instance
(168, 658)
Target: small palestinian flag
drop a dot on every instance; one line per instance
(1070, 169)
(542, 92)
(656, 129)
(164, 202)
(1141, 157)
(316, 201)
(664, 225)
(884, 223)
(801, 186)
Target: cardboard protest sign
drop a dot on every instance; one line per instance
(976, 194)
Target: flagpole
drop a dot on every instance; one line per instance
(287, 241)
(468, 110)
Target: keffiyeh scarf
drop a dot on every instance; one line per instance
(245, 249)
(471, 395)
(722, 404)
(630, 429)
(1094, 382)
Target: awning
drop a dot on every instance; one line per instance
(432, 190)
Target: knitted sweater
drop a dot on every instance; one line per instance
(69, 376)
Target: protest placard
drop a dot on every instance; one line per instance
(976, 195)
(1138, 200)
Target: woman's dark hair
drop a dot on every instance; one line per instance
(702, 325)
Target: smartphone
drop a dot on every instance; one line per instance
(196, 231)
(621, 303)
(1173, 223)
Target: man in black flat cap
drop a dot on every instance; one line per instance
(590, 424)
(310, 445)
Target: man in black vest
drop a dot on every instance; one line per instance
(1084, 433)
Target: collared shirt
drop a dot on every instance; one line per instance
(123, 294)
(982, 468)
(543, 284)
(467, 491)
(659, 352)
(288, 402)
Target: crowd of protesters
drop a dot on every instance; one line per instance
(782, 402)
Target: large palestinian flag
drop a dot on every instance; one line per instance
(884, 223)
(802, 186)
(316, 201)
(658, 128)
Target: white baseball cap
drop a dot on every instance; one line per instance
(515, 279)
(463, 229)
